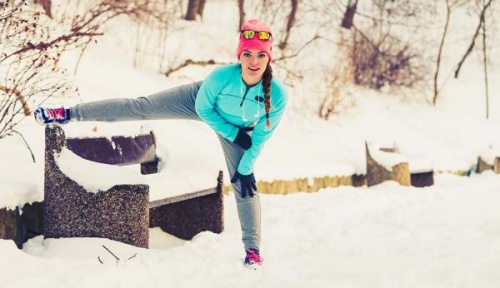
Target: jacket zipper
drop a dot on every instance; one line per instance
(244, 95)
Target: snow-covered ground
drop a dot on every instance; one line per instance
(447, 235)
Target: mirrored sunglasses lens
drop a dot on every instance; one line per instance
(248, 34)
(264, 35)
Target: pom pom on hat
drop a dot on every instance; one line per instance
(255, 42)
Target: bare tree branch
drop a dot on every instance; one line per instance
(473, 42)
(191, 62)
(440, 51)
(20, 98)
(316, 37)
(485, 64)
(289, 24)
(25, 143)
(347, 20)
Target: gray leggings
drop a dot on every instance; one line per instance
(177, 103)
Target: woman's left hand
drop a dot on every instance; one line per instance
(248, 183)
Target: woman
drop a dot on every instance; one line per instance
(241, 102)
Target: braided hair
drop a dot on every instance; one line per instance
(266, 87)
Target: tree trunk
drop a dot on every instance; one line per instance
(201, 7)
(441, 45)
(47, 6)
(241, 8)
(349, 15)
(471, 46)
(289, 24)
(192, 10)
(485, 62)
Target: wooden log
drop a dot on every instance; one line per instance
(346, 181)
(284, 187)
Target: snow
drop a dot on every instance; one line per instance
(387, 157)
(446, 235)
(488, 154)
(96, 177)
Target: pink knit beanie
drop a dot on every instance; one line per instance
(255, 42)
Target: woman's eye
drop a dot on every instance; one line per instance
(262, 55)
(246, 54)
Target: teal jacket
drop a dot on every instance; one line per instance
(226, 104)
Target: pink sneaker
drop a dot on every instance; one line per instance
(253, 259)
(51, 115)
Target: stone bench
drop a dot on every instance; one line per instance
(384, 164)
(489, 159)
(22, 223)
(123, 212)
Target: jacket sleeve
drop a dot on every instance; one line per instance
(205, 106)
(262, 133)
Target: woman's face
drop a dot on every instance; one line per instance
(253, 64)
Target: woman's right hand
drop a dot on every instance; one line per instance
(243, 139)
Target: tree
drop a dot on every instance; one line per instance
(450, 7)
(348, 19)
(290, 23)
(31, 48)
(29, 62)
(241, 9)
(382, 53)
(47, 6)
(476, 34)
(485, 64)
(440, 51)
(194, 9)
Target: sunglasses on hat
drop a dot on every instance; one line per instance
(249, 34)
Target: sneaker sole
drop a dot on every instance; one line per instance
(253, 266)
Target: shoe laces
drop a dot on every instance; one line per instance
(57, 113)
(253, 256)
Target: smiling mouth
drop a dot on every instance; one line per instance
(253, 69)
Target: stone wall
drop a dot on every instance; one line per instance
(20, 227)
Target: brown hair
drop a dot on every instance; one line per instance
(266, 87)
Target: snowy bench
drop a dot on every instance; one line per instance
(489, 159)
(121, 212)
(384, 164)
